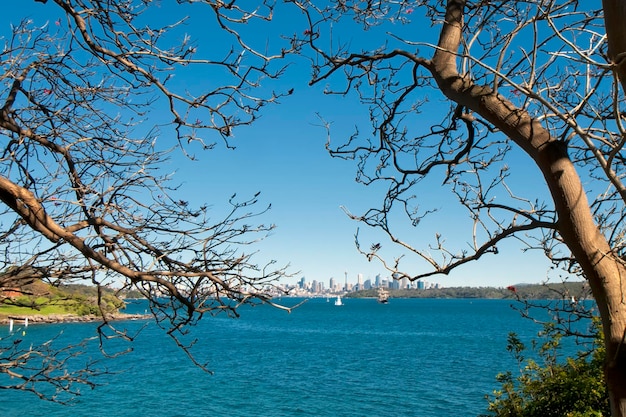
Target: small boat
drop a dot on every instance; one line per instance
(338, 301)
(383, 296)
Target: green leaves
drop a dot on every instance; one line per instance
(548, 386)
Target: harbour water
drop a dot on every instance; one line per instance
(411, 357)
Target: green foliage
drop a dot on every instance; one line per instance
(547, 387)
(523, 291)
(81, 300)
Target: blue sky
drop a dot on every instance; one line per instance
(283, 156)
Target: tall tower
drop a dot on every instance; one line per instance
(345, 288)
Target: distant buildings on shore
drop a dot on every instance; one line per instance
(335, 286)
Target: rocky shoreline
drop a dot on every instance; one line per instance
(69, 318)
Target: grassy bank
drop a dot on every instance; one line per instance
(40, 298)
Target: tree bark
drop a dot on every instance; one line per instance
(605, 272)
(614, 18)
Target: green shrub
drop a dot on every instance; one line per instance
(546, 387)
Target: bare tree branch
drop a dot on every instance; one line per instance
(535, 80)
(90, 112)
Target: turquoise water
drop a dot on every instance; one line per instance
(420, 357)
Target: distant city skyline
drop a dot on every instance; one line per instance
(305, 287)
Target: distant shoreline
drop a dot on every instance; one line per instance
(68, 318)
(551, 291)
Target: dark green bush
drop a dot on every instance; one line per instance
(547, 387)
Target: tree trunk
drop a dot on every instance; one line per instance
(614, 18)
(604, 270)
(613, 287)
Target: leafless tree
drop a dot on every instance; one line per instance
(539, 80)
(90, 111)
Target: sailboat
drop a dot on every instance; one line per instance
(338, 301)
(383, 296)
